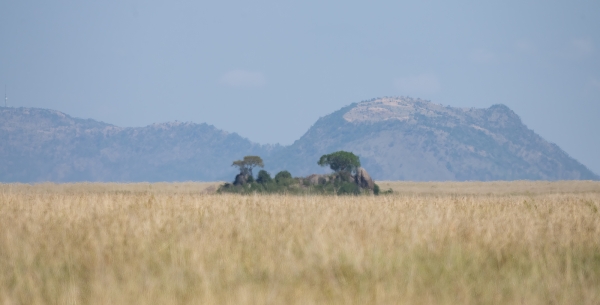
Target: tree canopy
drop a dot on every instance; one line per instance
(340, 161)
(263, 177)
(248, 163)
(282, 175)
(348, 179)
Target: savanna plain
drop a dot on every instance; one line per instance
(516, 242)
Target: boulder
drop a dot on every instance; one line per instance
(240, 179)
(363, 180)
(315, 179)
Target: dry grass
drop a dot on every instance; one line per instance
(112, 188)
(491, 188)
(174, 244)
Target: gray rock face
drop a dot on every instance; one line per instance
(412, 139)
(315, 179)
(240, 179)
(363, 180)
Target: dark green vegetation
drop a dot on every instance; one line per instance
(340, 161)
(285, 184)
(247, 164)
(348, 179)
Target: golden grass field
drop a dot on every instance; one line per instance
(179, 243)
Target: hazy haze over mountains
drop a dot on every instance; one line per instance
(413, 139)
(396, 139)
(247, 65)
(47, 145)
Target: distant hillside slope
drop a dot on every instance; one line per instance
(396, 139)
(413, 139)
(46, 145)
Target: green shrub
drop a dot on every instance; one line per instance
(348, 188)
(284, 178)
(264, 177)
(283, 175)
(340, 183)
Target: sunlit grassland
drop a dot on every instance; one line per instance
(428, 243)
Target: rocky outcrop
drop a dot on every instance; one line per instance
(240, 179)
(45, 145)
(315, 179)
(400, 138)
(363, 180)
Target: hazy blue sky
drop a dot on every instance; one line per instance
(269, 69)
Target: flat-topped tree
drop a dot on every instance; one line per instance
(247, 164)
(340, 161)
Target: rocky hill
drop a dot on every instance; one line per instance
(396, 139)
(412, 139)
(46, 145)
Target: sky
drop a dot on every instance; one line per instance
(269, 69)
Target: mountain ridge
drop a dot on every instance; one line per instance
(52, 146)
(397, 138)
(435, 142)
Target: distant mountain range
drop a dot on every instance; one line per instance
(396, 139)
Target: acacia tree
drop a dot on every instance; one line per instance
(340, 161)
(247, 164)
